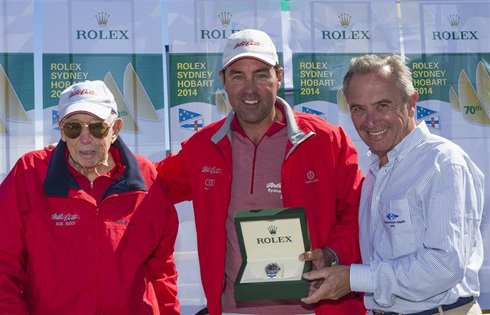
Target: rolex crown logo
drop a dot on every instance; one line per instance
(344, 19)
(272, 229)
(102, 18)
(225, 18)
(453, 20)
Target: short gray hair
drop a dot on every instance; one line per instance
(371, 63)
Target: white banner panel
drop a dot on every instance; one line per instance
(325, 35)
(16, 83)
(198, 30)
(119, 42)
(448, 45)
(197, 34)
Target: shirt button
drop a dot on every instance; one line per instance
(377, 197)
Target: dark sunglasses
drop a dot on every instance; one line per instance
(97, 129)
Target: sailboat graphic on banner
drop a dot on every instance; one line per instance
(483, 85)
(474, 105)
(136, 97)
(10, 106)
(342, 102)
(222, 102)
(472, 108)
(3, 128)
(122, 108)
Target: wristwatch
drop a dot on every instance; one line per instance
(336, 261)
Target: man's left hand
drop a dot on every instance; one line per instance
(335, 285)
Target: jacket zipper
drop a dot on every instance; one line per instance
(97, 223)
(253, 170)
(256, 146)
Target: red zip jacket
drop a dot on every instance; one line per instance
(319, 172)
(60, 253)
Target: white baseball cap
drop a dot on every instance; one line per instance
(88, 97)
(250, 44)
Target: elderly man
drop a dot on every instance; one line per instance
(263, 142)
(421, 205)
(86, 228)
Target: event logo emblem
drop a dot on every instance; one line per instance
(225, 18)
(190, 120)
(345, 34)
(344, 19)
(453, 20)
(102, 18)
(272, 229)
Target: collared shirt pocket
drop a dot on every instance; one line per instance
(398, 233)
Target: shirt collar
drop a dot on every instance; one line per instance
(274, 128)
(59, 180)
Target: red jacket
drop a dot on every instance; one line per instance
(319, 172)
(60, 253)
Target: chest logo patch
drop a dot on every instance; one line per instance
(62, 219)
(310, 175)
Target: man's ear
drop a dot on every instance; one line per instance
(116, 128)
(222, 77)
(279, 77)
(412, 101)
(63, 137)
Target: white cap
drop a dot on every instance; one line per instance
(250, 44)
(88, 97)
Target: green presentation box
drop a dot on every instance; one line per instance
(272, 236)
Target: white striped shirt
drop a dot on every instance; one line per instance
(419, 221)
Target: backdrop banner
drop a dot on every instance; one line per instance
(17, 117)
(325, 35)
(448, 48)
(197, 35)
(198, 30)
(119, 42)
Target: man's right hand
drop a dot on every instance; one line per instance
(320, 257)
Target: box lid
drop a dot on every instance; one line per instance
(280, 232)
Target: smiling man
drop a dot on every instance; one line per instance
(421, 205)
(86, 228)
(263, 143)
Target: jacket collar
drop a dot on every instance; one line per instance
(296, 135)
(59, 180)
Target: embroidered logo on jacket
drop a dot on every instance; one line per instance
(310, 175)
(273, 188)
(62, 219)
(211, 170)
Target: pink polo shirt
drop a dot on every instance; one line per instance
(256, 185)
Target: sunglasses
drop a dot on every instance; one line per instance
(97, 129)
